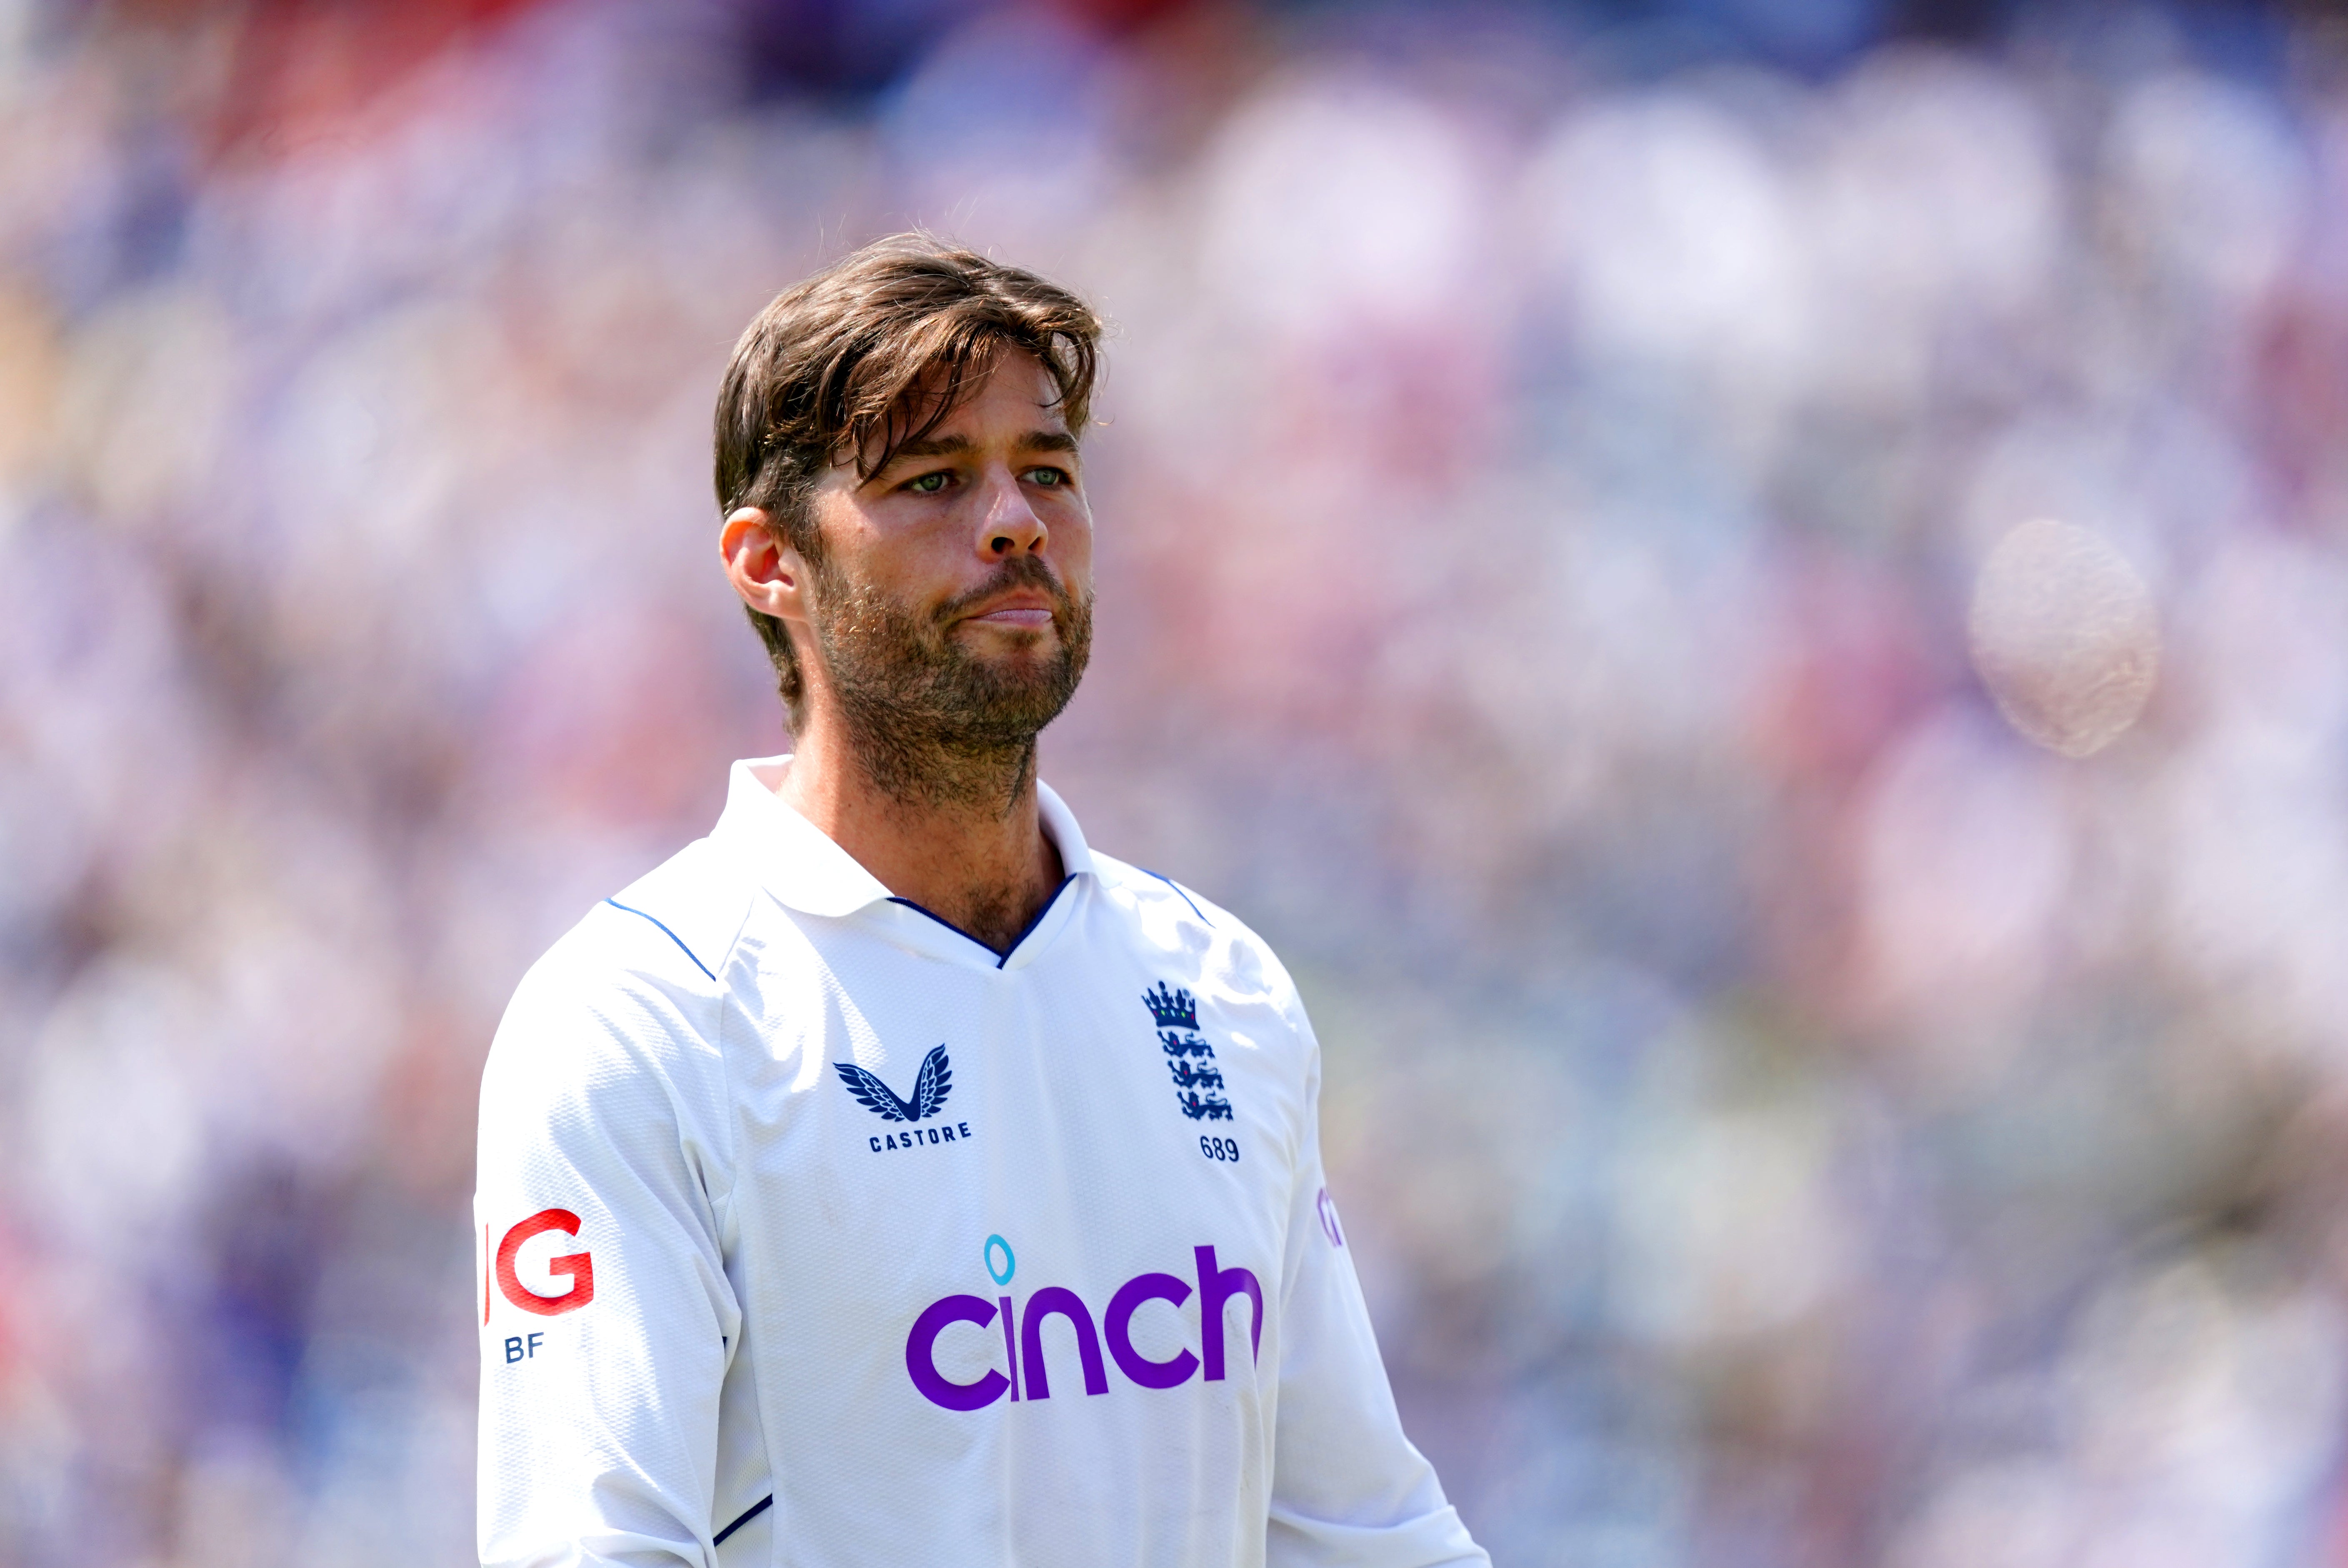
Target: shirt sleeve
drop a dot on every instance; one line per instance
(606, 1316)
(1347, 1486)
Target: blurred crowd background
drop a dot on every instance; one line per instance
(1786, 1113)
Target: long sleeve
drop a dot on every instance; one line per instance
(1347, 1486)
(606, 1316)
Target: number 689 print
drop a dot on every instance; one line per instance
(1226, 1149)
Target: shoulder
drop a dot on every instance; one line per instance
(690, 908)
(1222, 958)
(630, 996)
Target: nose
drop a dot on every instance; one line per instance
(1010, 525)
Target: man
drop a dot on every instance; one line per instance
(889, 1177)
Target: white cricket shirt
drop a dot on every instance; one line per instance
(813, 1232)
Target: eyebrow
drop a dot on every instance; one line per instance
(954, 445)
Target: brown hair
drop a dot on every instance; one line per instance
(876, 351)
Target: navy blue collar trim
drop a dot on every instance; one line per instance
(1004, 957)
(755, 1509)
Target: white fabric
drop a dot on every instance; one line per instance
(721, 1255)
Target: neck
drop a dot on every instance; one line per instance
(958, 832)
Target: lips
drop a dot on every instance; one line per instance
(1017, 615)
(1022, 595)
(1025, 607)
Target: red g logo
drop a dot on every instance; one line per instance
(579, 1267)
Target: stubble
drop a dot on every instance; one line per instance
(931, 726)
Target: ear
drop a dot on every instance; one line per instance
(762, 566)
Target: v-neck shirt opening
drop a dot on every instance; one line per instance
(1003, 958)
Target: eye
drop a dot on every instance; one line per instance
(928, 483)
(1046, 476)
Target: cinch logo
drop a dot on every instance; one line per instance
(579, 1267)
(1022, 1347)
(1329, 1225)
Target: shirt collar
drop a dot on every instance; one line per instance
(799, 862)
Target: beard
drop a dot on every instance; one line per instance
(931, 723)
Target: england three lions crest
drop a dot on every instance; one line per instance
(1190, 1059)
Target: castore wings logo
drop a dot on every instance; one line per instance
(930, 1087)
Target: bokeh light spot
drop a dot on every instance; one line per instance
(2064, 634)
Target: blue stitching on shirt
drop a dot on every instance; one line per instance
(672, 936)
(1177, 888)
